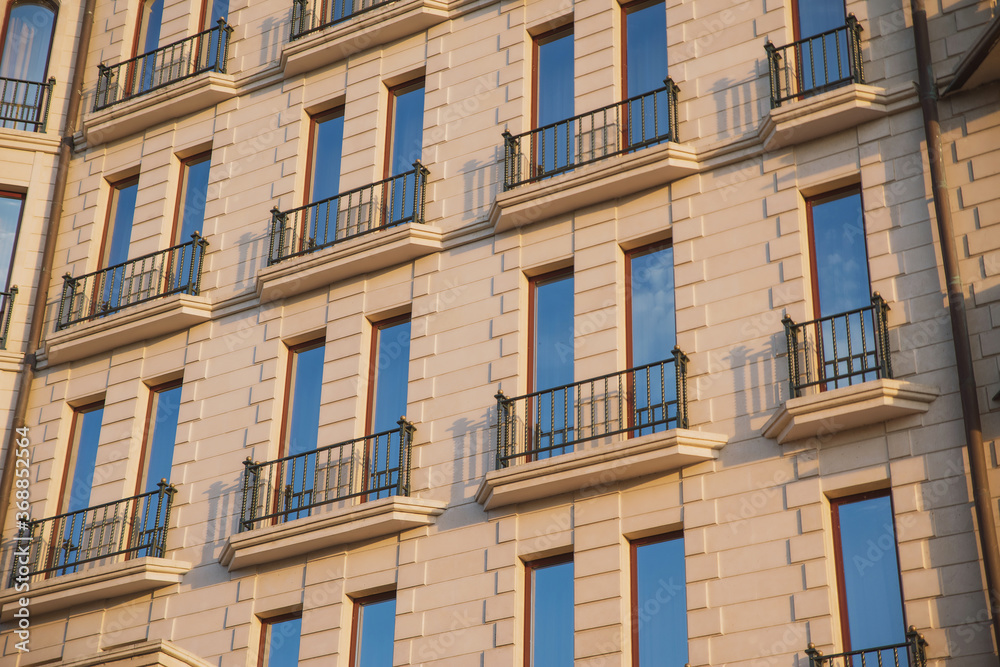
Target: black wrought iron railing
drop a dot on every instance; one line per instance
(371, 467)
(24, 105)
(911, 653)
(638, 401)
(175, 270)
(208, 51)
(815, 64)
(393, 201)
(839, 350)
(309, 16)
(6, 308)
(638, 122)
(131, 528)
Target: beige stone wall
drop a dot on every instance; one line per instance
(760, 579)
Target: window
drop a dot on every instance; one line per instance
(212, 11)
(279, 642)
(645, 68)
(548, 619)
(823, 60)
(839, 252)
(148, 29)
(871, 602)
(553, 147)
(374, 631)
(649, 289)
(78, 477)
(301, 427)
(846, 340)
(406, 127)
(550, 362)
(118, 233)
(323, 223)
(160, 436)
(192, 197)
(388, 381)
(659, 602)
(645, 46)
(27, 41)
(11, 208)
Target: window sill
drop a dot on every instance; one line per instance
(372, 252)
(822, 115)
(149, 320)
(372, 28)
(598, 467)
(830, 412)
(614, 177)
(196, 93)
(96, 583)
(339, 526)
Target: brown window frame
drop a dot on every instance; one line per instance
(145, 450)
(536, 41)
(838, 557)
(356, 628)
(533, 283)
(7, 194)
(529, 569)
(55, 20)
(390, 130)
(182, 191)
(315, 120)
(820, 199)
(634, 584)
(796, 31)
(265, 624)
(74, 447)
(116, 187)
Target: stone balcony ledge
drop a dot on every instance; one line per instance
(830, 412)
(328, 528)
(596, 467)
(93, 583)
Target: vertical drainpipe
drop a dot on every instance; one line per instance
(959, 325)
(48, 254)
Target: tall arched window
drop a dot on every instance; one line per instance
(148, 31)
(27, 39)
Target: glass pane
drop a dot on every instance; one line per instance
(327, 148)
(871, 574)
(162, 434)
(554, 148)
(27, 42)
(281, 645)
(646, 39)
(216, 9)
(10, 214)
(194, 194)
(407, 128)
(392, 374)
(661, 603)
(816, 16)
(552, 412)
(841, 255)
(302, 428)
(149, 26)
(653, 338)
(552, 616)
(119, 234)
(83, 453)
(375, 634)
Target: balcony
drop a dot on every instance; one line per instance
(622, 127)
(113, 549)
(594, 432)
(340, 493)
(323, 33)
(24, 105)
(6, 308)
(911, 653)
(612, 152)
(820, 81)
(176, 270)
(816, 64)
(160, 86)
(840, 376)
(358, 231)
(308, 17)
(208, 51)
(166, 284)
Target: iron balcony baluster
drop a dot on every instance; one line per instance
(797, 76)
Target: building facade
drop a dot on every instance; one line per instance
(565, 332)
